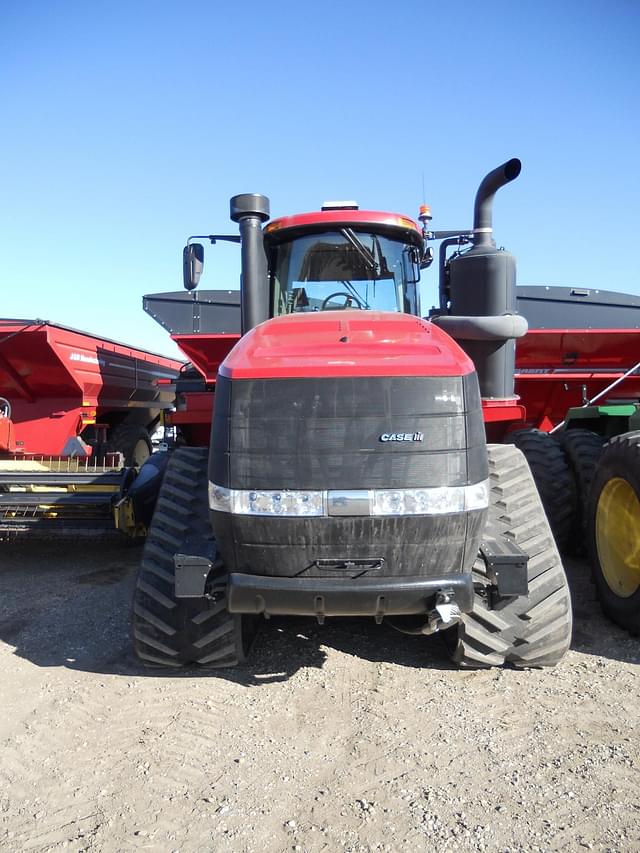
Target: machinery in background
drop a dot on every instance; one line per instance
(76, 417)
(578, 374)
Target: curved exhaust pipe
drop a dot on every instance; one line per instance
(481, 295)
(483, 204)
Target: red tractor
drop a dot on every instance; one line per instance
(348, 471)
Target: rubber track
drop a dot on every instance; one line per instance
(170, 632)
(554, 481)
(582, 449)
(527, 631)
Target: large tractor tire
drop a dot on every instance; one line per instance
(582, 449)
(133, 441)
(172, 632)
(554, 482)
(531, 630)
(613, 520)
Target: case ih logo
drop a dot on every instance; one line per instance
(402, 436)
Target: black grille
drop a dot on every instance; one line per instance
(326, 433)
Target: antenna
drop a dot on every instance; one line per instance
(425, 211)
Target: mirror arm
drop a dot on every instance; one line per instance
(213, 238)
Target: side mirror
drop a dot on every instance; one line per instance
(427, 258)
(192, 265)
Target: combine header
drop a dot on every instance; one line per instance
(76, 416)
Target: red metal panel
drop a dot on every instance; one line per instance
(206, 352)
(345, 343)
(340, 218)
(7, 441)
(45, 426)
(494, 411)
(616, 349)
(49, 360)
(556, 369)
(194, 417)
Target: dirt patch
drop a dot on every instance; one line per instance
(347, 736)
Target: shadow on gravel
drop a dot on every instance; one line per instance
(593, 633)
(69, 604)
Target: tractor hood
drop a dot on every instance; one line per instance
(345, 343)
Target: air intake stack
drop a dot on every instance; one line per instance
(250, 210)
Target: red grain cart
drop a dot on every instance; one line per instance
(578, 376)
(582, 348)
(206, 326)
(76, 412)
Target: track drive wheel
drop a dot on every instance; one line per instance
(553, 479)
(172, 632)
(133, 441)
(613, 522)
(582, 449)
(527, 631)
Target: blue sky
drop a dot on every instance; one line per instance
(127, 127)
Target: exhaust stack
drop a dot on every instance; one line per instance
(483, 204)
(482, 295)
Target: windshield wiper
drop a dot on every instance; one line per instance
(362, 250)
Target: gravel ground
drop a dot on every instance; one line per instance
(342, 737)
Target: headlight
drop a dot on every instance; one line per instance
(477, 496)
(278, 503)
(219, 498)
(263, 502)
(440, 500)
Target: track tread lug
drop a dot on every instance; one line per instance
(532, 630)
(182, 632)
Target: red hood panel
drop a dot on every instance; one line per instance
(345, 343)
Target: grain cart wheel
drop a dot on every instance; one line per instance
(132, 440)
(553, 479)
(167, 631)
(532, 630)
(613, 520)
(582, 449)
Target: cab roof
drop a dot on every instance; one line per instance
(344, 218)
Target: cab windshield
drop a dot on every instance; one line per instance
(346, 268)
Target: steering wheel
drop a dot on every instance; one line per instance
(350, 297)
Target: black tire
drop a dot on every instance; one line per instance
(527, 631)
(133, 441)
(613, 520)
(171, 632)
(582, 449)
(554, 482)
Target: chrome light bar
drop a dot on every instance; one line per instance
(438, 500)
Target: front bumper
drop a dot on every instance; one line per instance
(321, 597)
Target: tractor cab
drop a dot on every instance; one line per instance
(330, 260)
(343, 258)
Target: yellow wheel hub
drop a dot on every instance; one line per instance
(618, 536)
